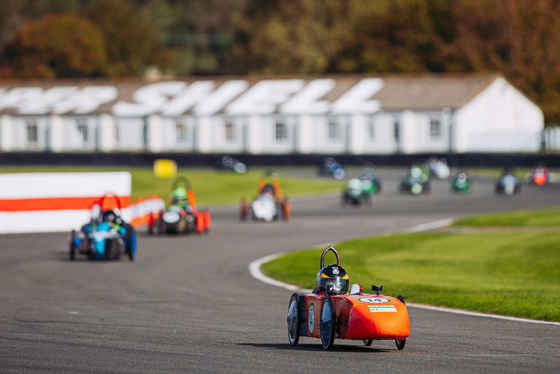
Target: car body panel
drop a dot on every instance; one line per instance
(359, 317)
(265, 208)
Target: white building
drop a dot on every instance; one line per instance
(321, 115)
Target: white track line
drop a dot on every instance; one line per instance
(255, 270)
(476, 314)
(430, 225)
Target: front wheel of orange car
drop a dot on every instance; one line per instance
(294, 320)
(328, 322)
(400, 344)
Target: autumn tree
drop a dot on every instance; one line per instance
(62, 45)
(397, 36)
(519, 38)
(288, 36)
(131, 45)
(200, 32)
(9, 18)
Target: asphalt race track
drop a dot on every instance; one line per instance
(188, 304)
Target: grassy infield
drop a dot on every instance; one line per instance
(211, 187)
(513, 270)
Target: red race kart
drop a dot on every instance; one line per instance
(181, 215)
(331, 311)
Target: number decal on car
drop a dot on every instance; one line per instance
(374, 300)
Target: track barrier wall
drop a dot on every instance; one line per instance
(51, 202)
(141, 209)
(146, 159)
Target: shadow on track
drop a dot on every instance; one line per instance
(317, 347)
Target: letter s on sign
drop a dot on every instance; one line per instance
(149, 99)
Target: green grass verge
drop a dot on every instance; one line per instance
(523, 218)
(514, 274)
(211, 187)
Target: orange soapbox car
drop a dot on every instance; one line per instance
(331, 311)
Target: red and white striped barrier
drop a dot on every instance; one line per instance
(43, 202)
(141, 210)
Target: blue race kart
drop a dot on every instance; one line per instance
(106, 237)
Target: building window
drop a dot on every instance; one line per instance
(180, 131)
(117, 134)
(229, 128)
(281, 131)
(82, 128)
(396, 130)
(333, 130)
(145, 133)
(435, 129)
(371, 128)
(32, 132)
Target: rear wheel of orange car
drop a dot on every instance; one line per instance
(294, 320)
(367, 343)
(328, 322)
